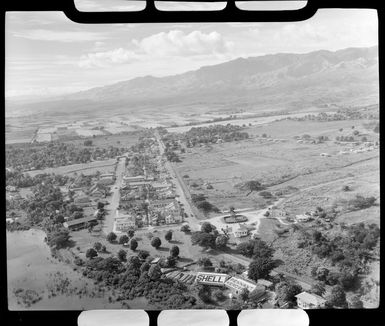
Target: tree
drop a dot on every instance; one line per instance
(91, 253)
(221, 241)
(355, 302)
(185, 228)
(260, 267)
(174, 251)
(59, 238)
(206, 227)
(318, 288)
(206, 240)
(143, 254)
(286, 292)
(123, 239)
(170, 261)
(205, 262)
(252, 185)
(204, 293)
(168, 235)
(154, 272)
(134, 263)
(100, 206)
(111, 237)
(156, 242)
(98, 246)
(144, 267)
(131, 233)
(244, 295)
(218, 294)
(337, 297)
(133, 244)
(122, 255)
(255, 248)
(88, 142)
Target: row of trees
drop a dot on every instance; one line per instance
(56, 154)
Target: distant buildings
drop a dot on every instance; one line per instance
(307, 300)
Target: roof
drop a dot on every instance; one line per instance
(240, 283)
(311, 298)
(79, 221)
(264, 282)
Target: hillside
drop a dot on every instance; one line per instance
(292, 80)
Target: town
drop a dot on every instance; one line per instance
(136, 224)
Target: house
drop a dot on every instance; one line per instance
(216, 279)
(237, 284)
(82, 200)
(278, 213)
(128, 179)
(171, 219)
(155, 260)
(11, 188)
(241, 232)
(124, 224)
(79, 223)
(307, 300)
(303, 217)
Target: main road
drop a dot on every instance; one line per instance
(114, 198)
(181, 189)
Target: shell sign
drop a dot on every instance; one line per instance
(211, 278)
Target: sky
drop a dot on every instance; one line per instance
(113, 318)
(193, 318)
(276, 317)
(47, 54)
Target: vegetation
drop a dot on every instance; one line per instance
(111, 237)
(286, 292)
(56, 154)
(156, 242)
(337, 298)
(133, 244)
(168, 235)
(174, 251)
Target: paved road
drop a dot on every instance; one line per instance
(114, 199)
(181, 189)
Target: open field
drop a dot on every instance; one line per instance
(278, 164)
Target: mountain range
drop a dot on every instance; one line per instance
(284, 79)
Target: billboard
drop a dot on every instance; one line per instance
(211, 278)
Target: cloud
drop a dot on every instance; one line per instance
(59, 36)
(107, 58)
(178, 43)
(174, 43)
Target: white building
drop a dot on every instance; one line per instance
(307, 300)
(303, 217)
(241, 232)
(237, 284)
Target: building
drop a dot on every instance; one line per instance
(236, 285)
(128, 179)
(171, 219)
(82, 200)
(215, 279)
(267, 284)
(11, 188)
(307, 300)
(278, 213)
(303, 217)
(124, 224)
(241, 232)
(79, 223)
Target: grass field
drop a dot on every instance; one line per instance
(282, 164)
